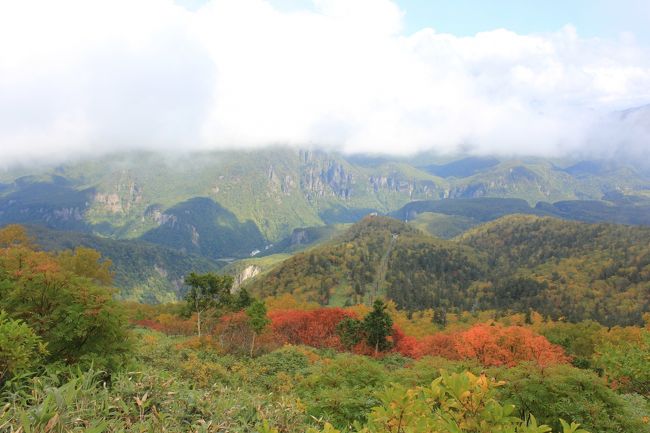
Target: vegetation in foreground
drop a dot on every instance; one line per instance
(68, 362)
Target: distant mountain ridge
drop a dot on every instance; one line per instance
(278, 190)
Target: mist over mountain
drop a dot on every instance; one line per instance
(230, 205)
(159, 76)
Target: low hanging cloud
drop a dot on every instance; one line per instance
(79, 77)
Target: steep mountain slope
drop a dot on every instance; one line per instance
(559, 268)
(537, 180)
(201, 226)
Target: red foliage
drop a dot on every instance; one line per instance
(444, 345)
(489, 345)
(316, 328)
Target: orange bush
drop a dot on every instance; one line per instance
(489, 345)
(508, 345)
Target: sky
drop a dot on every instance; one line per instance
(84, 77)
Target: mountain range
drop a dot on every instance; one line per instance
(206, 210)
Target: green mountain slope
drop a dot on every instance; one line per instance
(560, 268)
(598, 271)
(372, 259)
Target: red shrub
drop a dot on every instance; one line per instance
(316, 328)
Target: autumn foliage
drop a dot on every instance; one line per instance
(316, 328)
(490, 345)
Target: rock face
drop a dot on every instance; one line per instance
(248, 272)
(321, 176)
(299, 237)
(126, 194)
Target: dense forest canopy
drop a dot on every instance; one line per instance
(562, 269)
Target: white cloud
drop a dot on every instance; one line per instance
(82, 76)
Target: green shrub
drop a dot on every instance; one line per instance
(570, 393)
(20, 348)
(342, 390)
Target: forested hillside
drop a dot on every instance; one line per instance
(562, 269)
(142, 271)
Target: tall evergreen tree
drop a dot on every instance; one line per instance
(378, 325)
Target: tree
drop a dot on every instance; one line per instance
(378, 326)
(626, 364)
(88, 263)
(439, 317)
(207, 291)
(350, 331)
(258, 320)
(243, 300)
(71, 312)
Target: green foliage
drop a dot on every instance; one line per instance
(561, 269)
(627, 364)
(257, 316)
(342, 391)
(375, 257)
(452, 403)
(350, 331)
(578, 339)
(20, 348)
(207, 291)
(257, 319)
(142, 271)
(74, 316)
(243, 300)
(378, 325)
(569, 393)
